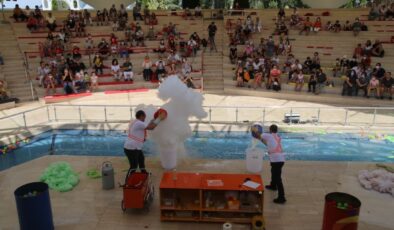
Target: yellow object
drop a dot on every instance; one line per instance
(258, 223)
(340, 224)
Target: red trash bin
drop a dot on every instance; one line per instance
(341, 212)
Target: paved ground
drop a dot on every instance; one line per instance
(90, 207)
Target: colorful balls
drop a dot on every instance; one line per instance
(256, 130)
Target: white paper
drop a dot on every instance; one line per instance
(215, 183)
(251, 184)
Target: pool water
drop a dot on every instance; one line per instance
(208, 145)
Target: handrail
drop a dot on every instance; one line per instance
(242, 107)
(314, 113)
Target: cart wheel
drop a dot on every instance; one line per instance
(123, 207)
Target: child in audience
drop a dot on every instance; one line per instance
(93, 81)
(115, 70)
(337, 26)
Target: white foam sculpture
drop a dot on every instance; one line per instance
(379, 180)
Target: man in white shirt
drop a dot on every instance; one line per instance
(136, 137)
(277, 159)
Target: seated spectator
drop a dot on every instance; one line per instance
(173, 57)
(368, 48)
(365, 61)
(127, 69)
(312, 82)
(387, 86)
(336, 27)
(358, 51)
(187, 14)
(98, 64)
(378, 71)
(115, 70)
(114, 44)
(274, 78)
(308, 64)
(295, 18)
(257, 26)
(80, 29)
(49, 83)
(76, 52)
(281, 28)
(373, 12)
(70, 24)
(347, 26)
(186, 68)
(79, 83)
(356, 27)
(295, 67)
(93, 81)
(137, 12)
(281, 13)
(1, 59)
(37, 13)
(105, 14)
(307, 26)
(321, 79)
(382, 12)
(68, 82)
(103, 48)
(373, 86)
(258, 78)
(123, 49)
(4, 98)
(191, 47)
(377, 49)
(197, 11)
(315, 61)
(298, 78)
(317, 25)
(123, 12)
(51, 22)
(350, 82)
(32, 23)
(270, 47)
(160, 68)
(240, 77)
(18, 14)
(113, 15)
(329, 26)
(140, 37)
(89, 44)
(146, 66)
(87, 19)
(362, 83)
(99, 18)
(390, 12)
(233, 54)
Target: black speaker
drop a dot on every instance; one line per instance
(191, 4)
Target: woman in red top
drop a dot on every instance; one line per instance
(317, 25)
(76, 53)
(32, 23)
(358, 51)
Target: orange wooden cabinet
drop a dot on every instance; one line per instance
(211, 197)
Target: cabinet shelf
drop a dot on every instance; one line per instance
(189, 193)
(185, 208)
(231, 210)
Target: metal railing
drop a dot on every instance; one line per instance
(82, 114)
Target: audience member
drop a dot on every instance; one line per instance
(377, 49)
(18, 14)
(147, 65)
(373, 86)
(386, 86)
(356, 27)
(115, 70)
(127, 68)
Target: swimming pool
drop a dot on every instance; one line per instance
(211, 145)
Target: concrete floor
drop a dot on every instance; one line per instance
(90, 207)
(306, 183)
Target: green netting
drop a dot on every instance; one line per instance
(60, 177)
(93, 174)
